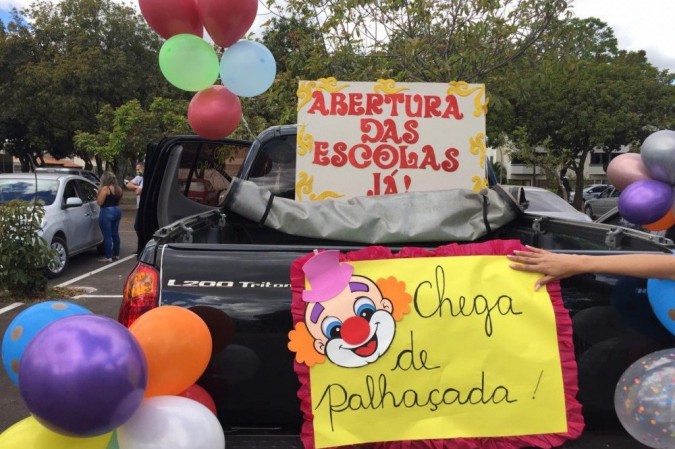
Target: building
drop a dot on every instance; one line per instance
(517, 172)
(9, 164)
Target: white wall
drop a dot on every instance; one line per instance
(523, 175)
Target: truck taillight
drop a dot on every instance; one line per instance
(140, 293)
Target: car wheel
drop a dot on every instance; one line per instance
(589, 211)
(56, 267)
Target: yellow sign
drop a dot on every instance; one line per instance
(437, 348)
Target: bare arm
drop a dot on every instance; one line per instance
(135, 186)
(559, 266)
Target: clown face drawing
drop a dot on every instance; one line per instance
(346, 315)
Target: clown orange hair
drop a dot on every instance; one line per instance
(302, 343)
(394, 290)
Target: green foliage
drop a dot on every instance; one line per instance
(24, 253)
(70, 58)
(421, 40)
(82, 75)
(414, 40)
(594, 97)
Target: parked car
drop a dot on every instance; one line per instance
(90, 175)
(539, 201)
(591, 191)
(606, 201)
(70, 224)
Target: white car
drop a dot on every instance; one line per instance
(603, 203)
(543, 202)
(70, 224)
(590, 192)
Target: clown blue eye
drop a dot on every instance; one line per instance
(331, 327)
(364, 307)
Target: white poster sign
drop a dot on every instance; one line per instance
(378, 138)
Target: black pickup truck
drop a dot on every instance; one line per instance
(202, 253)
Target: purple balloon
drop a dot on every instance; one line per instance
(83, 375)
(645, 201)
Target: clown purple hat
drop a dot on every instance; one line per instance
(326, 276)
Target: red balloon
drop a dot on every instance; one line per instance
(227, 21)
(214, 112)
(171, 17)
(199, 394)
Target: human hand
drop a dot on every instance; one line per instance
(553, 266)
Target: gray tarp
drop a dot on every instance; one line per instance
(444, 215)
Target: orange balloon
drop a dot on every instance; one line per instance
(177, 346)
(662, 223)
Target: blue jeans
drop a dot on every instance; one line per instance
(109, 221)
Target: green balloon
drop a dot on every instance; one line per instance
(189, 62)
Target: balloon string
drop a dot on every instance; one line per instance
(243, 119)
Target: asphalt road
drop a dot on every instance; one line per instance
(104, 284)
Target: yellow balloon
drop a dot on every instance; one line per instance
(30, 434)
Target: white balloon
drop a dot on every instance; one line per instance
(171, 422)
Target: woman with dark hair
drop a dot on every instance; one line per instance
(109, 196)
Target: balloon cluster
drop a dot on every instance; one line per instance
(187, 61)
(91, 383)
(644, 398)
(646, 182)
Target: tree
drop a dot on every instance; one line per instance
(585, 94)
(124, 133)
(65, 64)
(424, 40)
(417, 40)
(298, 48)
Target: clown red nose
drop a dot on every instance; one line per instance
(355, 330)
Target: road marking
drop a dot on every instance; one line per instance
(86, 275)
(10, 307)
(96, 296)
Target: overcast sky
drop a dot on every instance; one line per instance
(638, 24)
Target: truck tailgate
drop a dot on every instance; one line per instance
(249, 378)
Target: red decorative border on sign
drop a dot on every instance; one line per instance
(575, 420)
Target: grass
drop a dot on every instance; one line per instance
(49, 294)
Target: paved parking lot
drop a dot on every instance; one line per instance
(101, 286)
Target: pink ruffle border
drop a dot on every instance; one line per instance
(575, 421)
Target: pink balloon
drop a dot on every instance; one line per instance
(625, 169)
(199, 394)
(227, 21)
(214, 112)
(171, 17)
